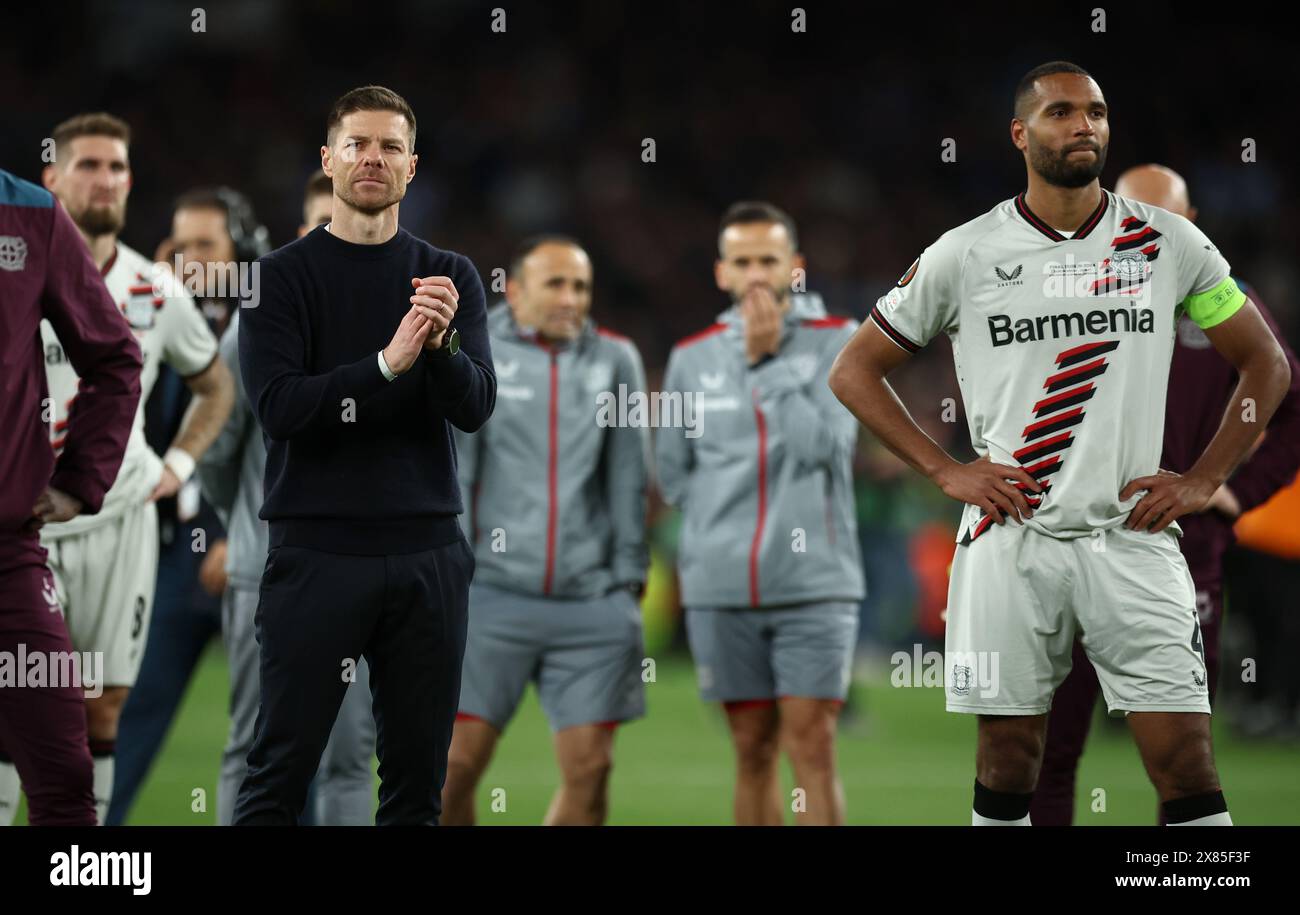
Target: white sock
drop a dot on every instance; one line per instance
(10, 788)
(103, 786)
(1214, 819)
(977, 820)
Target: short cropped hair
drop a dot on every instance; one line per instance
(751, 211)
(318, 184)
(368, 98)
(532, 243)
(92, 124)
(1025, 88)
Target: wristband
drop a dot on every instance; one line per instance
(180, 462)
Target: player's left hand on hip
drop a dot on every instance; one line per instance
(1169, 496)
(436, 298)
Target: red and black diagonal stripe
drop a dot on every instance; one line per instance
(145, 288)
(1137, 234)
(1050, 434)
(1134, 233)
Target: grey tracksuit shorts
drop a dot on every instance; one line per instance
(585, 655)
(803, 650)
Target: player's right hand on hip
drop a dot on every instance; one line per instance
(402, 351)
(999, 489)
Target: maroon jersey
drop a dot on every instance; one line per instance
(46, 272)
(1200, 384)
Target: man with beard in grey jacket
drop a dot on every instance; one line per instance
(555, 494)
(768, 557)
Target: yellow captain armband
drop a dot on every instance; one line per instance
(1214, 306)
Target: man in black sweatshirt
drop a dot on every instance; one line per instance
(360, 347)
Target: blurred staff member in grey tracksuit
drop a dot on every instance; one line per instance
(768, 557)
(230, 474)
(555, 490)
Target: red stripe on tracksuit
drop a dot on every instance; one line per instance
(762, 503)
(552, 498)
(707, 332)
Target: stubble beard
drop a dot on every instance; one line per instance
(97, 221)
(370, 209)
(1057, 170)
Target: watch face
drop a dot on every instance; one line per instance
(453, 342)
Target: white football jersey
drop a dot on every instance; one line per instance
(1062, 344)
(171, 329)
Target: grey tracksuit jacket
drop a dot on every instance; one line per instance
(764, 482)
(555, 497)
(230, 474)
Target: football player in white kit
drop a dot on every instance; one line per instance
(105, 565)
(1061, 305)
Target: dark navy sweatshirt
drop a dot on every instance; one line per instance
(356, 463)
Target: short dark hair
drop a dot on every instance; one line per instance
(202, 198)
(238, 209)
(1025, 88)
(533, 242)
(368, 98)
(319, 183)
(750, 211)
(249, 237)
(92, 124)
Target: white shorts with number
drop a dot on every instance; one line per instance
(105, 579)
(1017, 598)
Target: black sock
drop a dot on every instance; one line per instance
(1001, 805)
(1183, 809)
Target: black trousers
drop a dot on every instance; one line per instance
(318, 613)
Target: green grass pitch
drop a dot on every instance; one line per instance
(903, 759)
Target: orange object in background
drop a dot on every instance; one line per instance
(930, 552)
(1273, 527)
